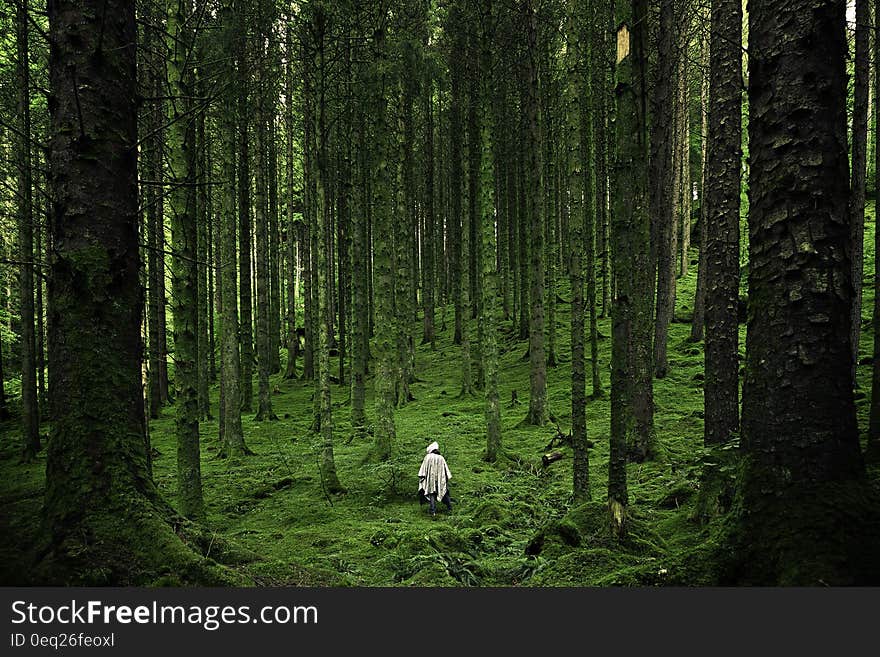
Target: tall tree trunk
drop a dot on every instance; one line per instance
(873, 448)
(576, 70)
(102, 512)
(261, 225)
(403, 226)
(184, 291)
(155, 229)
(722, 200)
(308, 221)
(245, 111)
(290, 192)
(524, 225)
(859, 165)
(232, 436)
(799, 437)
(428, 235)
(274, 233)
(30, 410)
(360, 312)
(630, 347)
(456, 129)
(203, 225)
(489, 278)
(383, 256)
(537, 414)
(684, 145)
(663, 160)
(329, 478)
(699, 318)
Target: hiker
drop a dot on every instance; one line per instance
(434, 478)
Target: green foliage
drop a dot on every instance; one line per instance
(269, 520)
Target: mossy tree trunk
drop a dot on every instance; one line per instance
(290, 192)
(184, 236)
(403, 227)
(329, 478)
(245, 112)
(537, 414)
(104, 519)
(802, 466)
(153, 205)
(663, 160)
(574, 141)
(630, 347)
(25, 215)
(232, 443)
(429, 229)
(261, 225)
(722, 201)
(699, 318)
(203, 225)
(360, 310)
(859, 166)
(383, 254)
(489, 316)
(456, 129)
(873, 448)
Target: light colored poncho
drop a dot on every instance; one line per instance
(434, 475)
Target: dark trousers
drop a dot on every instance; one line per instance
(432, 502)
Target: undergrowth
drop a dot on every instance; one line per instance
(513, 522)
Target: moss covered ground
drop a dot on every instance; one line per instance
(513, 522)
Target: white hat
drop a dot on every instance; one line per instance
(432, 447)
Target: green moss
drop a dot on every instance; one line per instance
(378, 535)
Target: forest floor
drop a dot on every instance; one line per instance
(512, 522)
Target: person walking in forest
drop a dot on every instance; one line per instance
(434, 479)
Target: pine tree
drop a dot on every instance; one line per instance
(182, 198)
(30, 409)
(800, 445)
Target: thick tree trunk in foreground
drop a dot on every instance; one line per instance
(104, 518)
(801, 479)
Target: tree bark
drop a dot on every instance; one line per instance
(722, 201)
(663, 160)
(859, 166)
(699, 318)
(537, 414)
(30, 410)
(246, 328)
(184, 290)
(105, 520)
(383, 257)
(799, 438)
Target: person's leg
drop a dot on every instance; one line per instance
(432, 502)
(447, 501)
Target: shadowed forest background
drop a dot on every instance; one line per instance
(617, 258)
